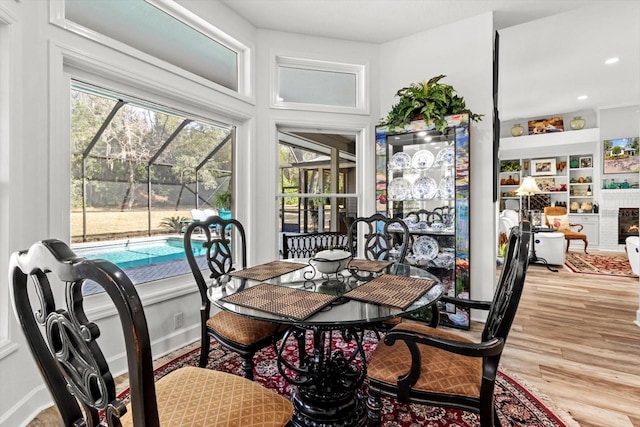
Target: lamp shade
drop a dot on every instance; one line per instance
(528, 187)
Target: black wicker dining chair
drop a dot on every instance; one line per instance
(416, 363)
(46, 289)
(210, 245)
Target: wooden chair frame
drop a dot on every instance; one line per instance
(502, 311)
(216, 238)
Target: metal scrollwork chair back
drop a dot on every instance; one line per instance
(63, 342)
(404, 363)
(381, 235)
(220, 239)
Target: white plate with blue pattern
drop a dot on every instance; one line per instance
(400, 160)
(425, 247)
(424, 188)
(446, 156)
(399, 189)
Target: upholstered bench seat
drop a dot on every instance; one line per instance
(193, 396)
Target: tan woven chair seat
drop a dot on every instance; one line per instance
(240, 329)
(441, 371)
(193, 396)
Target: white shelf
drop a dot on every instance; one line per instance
(546, 140)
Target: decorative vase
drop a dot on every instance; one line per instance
(517, 130)
(577, 123)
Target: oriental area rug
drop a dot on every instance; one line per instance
(609, 265)
(516, 405)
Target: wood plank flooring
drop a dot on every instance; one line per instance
(574, 340)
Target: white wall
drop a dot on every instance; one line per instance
(462, 51)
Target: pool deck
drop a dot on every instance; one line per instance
(149, 273)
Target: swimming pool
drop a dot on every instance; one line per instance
(137, 253)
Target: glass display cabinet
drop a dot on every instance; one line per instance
(422, 176)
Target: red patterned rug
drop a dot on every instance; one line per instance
(609, 265)
(516, 406)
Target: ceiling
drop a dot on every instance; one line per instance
(551, 51)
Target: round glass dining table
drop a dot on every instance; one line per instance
(328, 377)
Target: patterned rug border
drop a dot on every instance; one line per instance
(576, 264)
(543, 402)
(561, 415)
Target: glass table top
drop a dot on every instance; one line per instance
(342, 311)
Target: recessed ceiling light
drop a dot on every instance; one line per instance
(427, 138)
(582, 97)
(422, 133)
(611, 61)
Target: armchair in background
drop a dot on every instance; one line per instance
(556, 217)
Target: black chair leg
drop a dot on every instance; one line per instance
(247, 366)
(374, 409)
(205, 345)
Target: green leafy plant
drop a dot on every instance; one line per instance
(428, 101)
(510, 166)
(173, 223)
(223, 200)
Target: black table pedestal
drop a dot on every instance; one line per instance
(328, 380)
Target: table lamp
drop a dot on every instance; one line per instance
(528, 187)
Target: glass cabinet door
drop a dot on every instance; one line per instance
(423, 177)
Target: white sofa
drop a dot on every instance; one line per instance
(633, 252)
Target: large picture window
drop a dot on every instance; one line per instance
(138, 174)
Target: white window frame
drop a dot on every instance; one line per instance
(359, 70)
(7, 133)
(170, 7)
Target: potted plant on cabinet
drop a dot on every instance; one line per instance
(223, 204)
(429, 101)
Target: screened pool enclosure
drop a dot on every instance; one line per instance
(139, 169)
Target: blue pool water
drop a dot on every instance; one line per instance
(136, 254)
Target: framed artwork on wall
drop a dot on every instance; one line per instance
(621, 155)
(543, 167)
(550, 124)
(586, 162)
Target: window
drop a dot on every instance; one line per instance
(308, 181)
(137, 171)
(171, 33)
(319, 85)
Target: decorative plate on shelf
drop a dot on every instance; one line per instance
(446, 156)
(399, 189)
(425, 247)
(400, 160)
(422, 159)
(424, 188)
(447, 187)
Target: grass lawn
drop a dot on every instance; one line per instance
(106, 225)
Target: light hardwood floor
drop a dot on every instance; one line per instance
(574, 340)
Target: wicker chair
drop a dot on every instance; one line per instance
(64, 343)
(570, 231)
(240, 334)
(419, 364)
